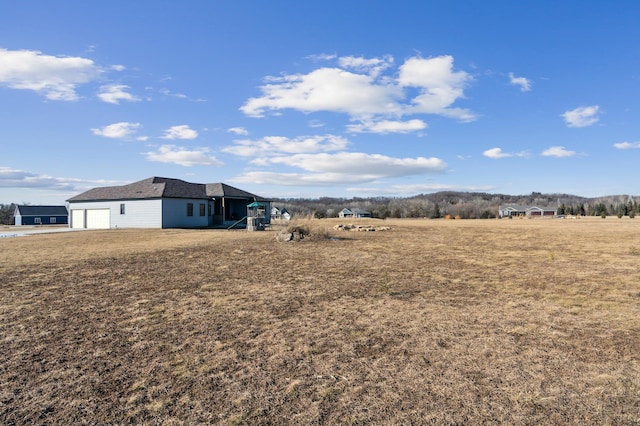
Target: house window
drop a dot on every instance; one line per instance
(122, 208)
(203, 210)
(189, 209)
(52, 220)
(37, 221)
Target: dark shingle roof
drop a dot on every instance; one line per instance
(159, 187)
(25, 210)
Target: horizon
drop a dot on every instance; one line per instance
(309, 101)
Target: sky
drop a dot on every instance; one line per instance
(307, 99)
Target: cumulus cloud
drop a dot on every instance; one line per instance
(357, 87)
(357, 163)
(372, 66)
(180, 132)
(299, 179)
(119, 130)
(114, 93)
(522, 82)
(582, 116)
(183, 156)
(627, 145)
(387, 126)
(55, 77)
(497, 153)
(438, 84)
(277, 145)
(558, 151)
(241, 131)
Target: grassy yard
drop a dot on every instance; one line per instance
(433, 321)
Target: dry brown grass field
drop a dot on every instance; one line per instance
(515, 322)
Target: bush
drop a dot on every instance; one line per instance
(307, 228)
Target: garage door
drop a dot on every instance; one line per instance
(98, 219)
(77, 218)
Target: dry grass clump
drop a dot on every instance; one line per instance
(438, 322)
(305, 228)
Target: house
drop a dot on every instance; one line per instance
(526, 211)
(159, 202)
(280, 214)
(354, 212)
(40, 215)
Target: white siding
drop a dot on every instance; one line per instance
(137, 213)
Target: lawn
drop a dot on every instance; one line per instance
(430, 322)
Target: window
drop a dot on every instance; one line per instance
(189, 209)
(122, 208)
(37, 221)
(202, 210)
(52, 220)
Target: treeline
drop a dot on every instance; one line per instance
(466, 205)
(6, 214)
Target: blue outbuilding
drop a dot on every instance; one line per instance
(41, 215)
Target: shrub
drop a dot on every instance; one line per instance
(307, 228)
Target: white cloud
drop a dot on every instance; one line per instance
(497, 153)
(387, 126)
(627, 145)
(299, 179)
(524, 83)
(114, 93)
(117, 130)
(372, 66)
(118, 67)
(277, 145)
(182, 156)
(54, 77)
(14, 178)
(558, 151)
(438, 84)
(339, 169)
(582, 116)
(238, 131)
(363, 94)
(356, 163)
(180, 132)
(325, 89)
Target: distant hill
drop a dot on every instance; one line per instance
(467, 205)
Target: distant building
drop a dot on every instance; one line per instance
(40, 215)
(526, 211)
(280, 214)
(354, 213)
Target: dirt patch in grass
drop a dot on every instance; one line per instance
(443, 322)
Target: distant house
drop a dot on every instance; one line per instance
(354, 213)
(526, 211)
(280, 214)
(159, 202)
(40, 215)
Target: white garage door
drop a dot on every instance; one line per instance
(77, 218)
(98, 219)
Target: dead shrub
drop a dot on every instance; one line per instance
(305, 228)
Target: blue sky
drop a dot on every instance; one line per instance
(310, 99)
